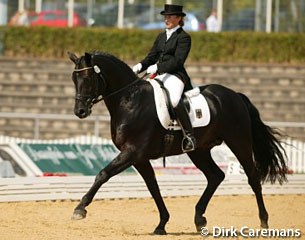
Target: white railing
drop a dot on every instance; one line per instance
(82, 139)
(98, 119)
(64, 117)
(73, 188)
(295, 151)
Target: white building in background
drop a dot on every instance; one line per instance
(3, 12)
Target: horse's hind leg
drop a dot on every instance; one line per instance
(148, 174)
(243, 153)
(204, 161)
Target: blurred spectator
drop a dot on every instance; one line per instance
(20, 19)
(212, 23)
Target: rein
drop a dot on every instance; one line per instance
(125, 87)
(121, 89)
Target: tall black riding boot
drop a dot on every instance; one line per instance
(189, 141)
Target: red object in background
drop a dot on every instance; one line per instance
(55, 19)
(50, 174)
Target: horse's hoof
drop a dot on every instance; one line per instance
(199, 228)
(159, 231)
(79, 214)
(264, 225)
(200, 222)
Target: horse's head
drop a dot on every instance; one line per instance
(99, 76)
(86, 80)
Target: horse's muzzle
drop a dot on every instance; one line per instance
(82, 112)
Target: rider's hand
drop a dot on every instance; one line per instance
(137, 68)
(152, 69)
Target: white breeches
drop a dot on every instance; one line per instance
(174, 86)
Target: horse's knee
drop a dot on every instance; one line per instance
(102, 177)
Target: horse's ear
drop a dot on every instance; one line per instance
(88, 58)
(72, 57)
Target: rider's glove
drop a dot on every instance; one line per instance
(152, 69)
(137, 68)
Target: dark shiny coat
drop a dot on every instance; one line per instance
(170, 55)
(136, 131)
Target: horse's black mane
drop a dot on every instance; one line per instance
(110, 56)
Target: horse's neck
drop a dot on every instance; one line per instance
(115, 97)
(117, 73)
(118, 76)
(112, 105)
(127, 98)
(118, 84)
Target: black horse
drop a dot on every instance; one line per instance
(138, 134)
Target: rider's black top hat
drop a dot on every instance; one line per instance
(171, 9)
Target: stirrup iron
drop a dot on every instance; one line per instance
(186, 139)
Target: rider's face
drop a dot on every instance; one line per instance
(171, 21)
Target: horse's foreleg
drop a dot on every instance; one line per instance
(148, 174)
(203, 160)
(119, 164)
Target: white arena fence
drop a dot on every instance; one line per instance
(73, 188)
(97, 120)
(295, 151)
(127, 186)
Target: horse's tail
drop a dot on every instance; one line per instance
(270, 157)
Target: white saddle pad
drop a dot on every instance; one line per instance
(199, 109)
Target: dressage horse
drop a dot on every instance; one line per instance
(138, 134)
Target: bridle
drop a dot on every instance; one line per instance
(90, 100)
(98, 97)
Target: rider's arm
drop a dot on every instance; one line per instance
(154, 54)
(174, 62)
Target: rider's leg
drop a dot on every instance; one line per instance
(189, 142)
(175, 87)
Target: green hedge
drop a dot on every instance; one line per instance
(134, 44)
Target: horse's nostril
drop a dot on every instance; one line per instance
(81, 112)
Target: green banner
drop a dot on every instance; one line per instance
(72, 159)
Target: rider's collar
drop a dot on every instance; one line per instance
(169, 32)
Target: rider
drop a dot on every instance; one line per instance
(166, 58)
